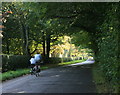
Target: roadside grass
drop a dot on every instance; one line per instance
(14, 74)
(100, 82)
(21, 72)
(71, 62)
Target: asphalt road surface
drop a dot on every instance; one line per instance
(64, 79)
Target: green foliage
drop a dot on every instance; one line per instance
(81, 38)
(99, 80)
(99, 23)
(13, 62)
(13, 74)
(108, 48)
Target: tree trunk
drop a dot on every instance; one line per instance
(48, 45)
(25, 39)
(27, 44)
(43, 37)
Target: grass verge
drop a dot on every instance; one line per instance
(13, 74)
(100, 82)
(20, 72)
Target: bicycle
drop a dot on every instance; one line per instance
(35, 71)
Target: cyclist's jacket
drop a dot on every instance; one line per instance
(37, 57)
(32, 61)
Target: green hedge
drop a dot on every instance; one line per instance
(109, 48)
(13, 62)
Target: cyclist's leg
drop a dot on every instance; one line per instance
(37, 64)
(38, 68)
(32, 66)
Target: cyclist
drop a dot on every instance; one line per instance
(37, 58)
(32, 62)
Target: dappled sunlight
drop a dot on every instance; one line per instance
(21, 92)
(55, 76)
(17, 90)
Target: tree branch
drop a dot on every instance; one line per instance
(33, 51)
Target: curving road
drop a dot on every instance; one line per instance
(75, 78)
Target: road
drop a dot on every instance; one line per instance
(64, 79)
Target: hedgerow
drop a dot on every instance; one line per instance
(109, 47)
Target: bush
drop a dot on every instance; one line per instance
(109, 48)
(13, 62)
